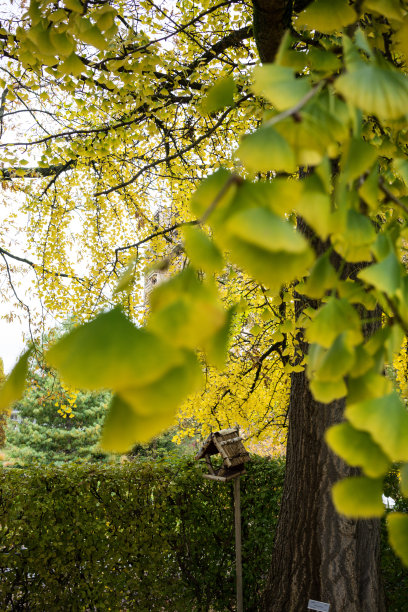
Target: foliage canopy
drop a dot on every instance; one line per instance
(308, 216)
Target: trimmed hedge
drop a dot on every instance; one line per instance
(143, 536)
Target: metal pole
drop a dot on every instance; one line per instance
(238, 551)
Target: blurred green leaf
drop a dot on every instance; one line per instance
(358, 497)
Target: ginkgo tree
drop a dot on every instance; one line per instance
(311, 206)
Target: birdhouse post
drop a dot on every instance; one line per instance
(228, 444)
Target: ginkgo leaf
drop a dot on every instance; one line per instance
(336, 362)
(279, 195)
(328, 391)
(358, 449)
(369, 190)
(104, 17)
(397, 523)
(266, 230)
(186, 311)
(362, 362)
(354, 241)
(266, 150)
(358, 497)
(136, 414)
(128, 277)
(71, 65)
(384, 276)
(386, 419)
(401, 167)
(332, 319)
(201, 250)
(387, 8)
(220, 95)
(63, 44)
(309, 141)
(356, 294)
(404, 479)
(123, 427)
(74, 5)
(358, 157)
(92, 35)
(216, 348)
(315, 207)
(268, 267)
(279, 85)
(322, 277)
(401, 41)
(327, 17)
(218, 188)
(111, 353)
(167, 392)
(322, 61)
(375, 90)
(13, 387)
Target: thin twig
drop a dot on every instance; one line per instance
(295, 109)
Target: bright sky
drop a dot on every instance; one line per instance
(11, 343)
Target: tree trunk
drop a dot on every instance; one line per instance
(319, 554)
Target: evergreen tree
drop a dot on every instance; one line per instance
(55, 424)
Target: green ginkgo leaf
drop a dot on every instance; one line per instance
(358, 497)
(111, 353)
(384, 276)
(308, 139)
(322, 277)
(167, 392)
(328, 391)
(331, 320)
(358, 157)
(386, 419)
(266, 150)
(201, 250)
(266, 230)
(216, 348)
(369, 385)
(336, 361)
(315, 207)
(137, 414)
(220, 95)
(386, 8)
(217, 187)
(369, 190)
(123, 427)
(274, 269)
(404, 479)
(13, 387)
(327, 17)
(354, 241)
(397, 524)
(185, 311)
(279, 85)
(71, 65)
(374, 89)
(358, 449)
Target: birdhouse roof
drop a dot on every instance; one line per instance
(228, 443)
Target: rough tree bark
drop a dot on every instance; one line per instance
(318, 554)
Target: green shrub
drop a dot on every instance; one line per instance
(145, 536)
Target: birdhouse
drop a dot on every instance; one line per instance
(227, 443)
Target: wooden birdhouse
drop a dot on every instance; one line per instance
(227, 443)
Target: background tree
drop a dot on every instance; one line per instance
(3, 415)
(55, 424)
